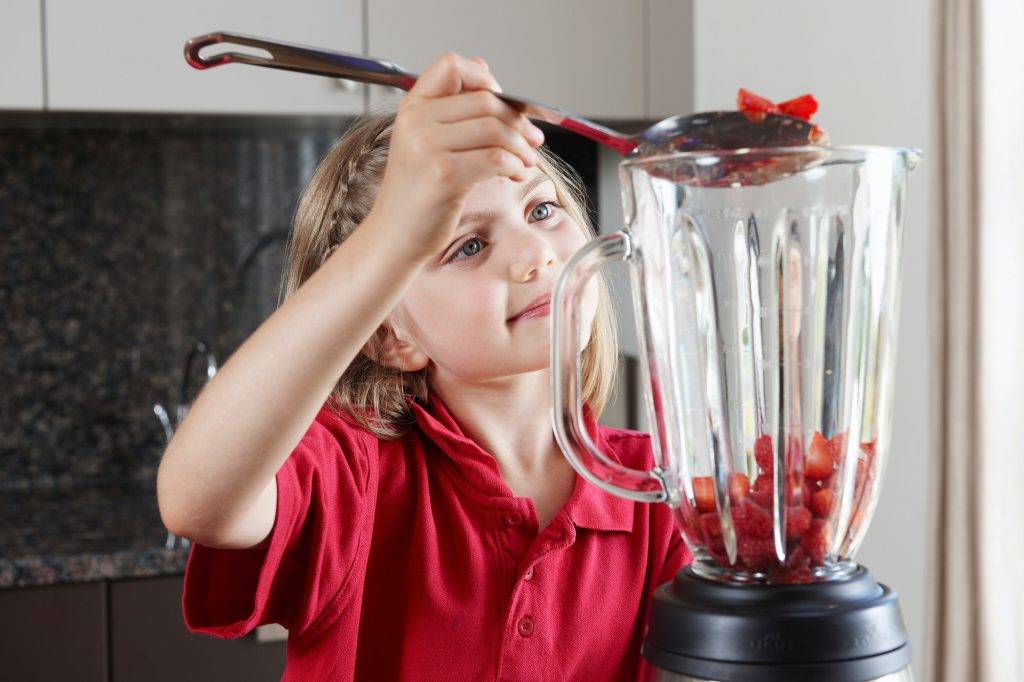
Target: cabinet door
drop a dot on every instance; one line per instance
(127, 55)
(21, 53)
(149, 642)
(54, 633)
(586, 56)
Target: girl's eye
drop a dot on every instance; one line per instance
(474, 245)
(470, 247)
(547, 205)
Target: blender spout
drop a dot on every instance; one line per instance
(912, 157)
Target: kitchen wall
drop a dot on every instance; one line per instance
(125, 240)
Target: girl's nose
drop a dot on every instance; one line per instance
(532, 255)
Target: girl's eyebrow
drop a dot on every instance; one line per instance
(479, 216)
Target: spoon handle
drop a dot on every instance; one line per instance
(320, 62)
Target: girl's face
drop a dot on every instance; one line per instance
(513, 239)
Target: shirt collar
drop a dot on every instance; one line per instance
(587, 507)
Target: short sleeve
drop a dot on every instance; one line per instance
(678, 555)
(292, 575)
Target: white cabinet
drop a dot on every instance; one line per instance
(21, 55)
(586, 56)
(126, 55)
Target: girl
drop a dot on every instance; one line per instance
(415, 518)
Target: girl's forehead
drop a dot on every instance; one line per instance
(502, 189)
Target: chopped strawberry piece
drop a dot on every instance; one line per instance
(754, 106)
(815, 542)
(836, 445)
(739, 488)
(798, 520)
(821, 502)
(704, 493)
(762, 491)
(803, 107)
(797, 559)
(757, 554)
(711, 525)
(820, 462)
(763, 454)
(752, 521)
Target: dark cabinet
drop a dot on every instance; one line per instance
(54, 633)
(120, 631)
(149, 642)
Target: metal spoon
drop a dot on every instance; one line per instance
(718, 130)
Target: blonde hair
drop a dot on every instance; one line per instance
(338, 198)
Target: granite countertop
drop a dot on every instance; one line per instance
(74, 535)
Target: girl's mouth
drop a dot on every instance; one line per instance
(542, 310)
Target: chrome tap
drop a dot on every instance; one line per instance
(199, 350)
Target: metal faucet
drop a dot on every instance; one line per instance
(199, 350)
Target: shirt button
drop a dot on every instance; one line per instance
(529, 574)
(526, 627)
(513, 519)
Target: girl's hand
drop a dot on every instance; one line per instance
(450, 133)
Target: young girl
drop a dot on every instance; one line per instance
(415, 519)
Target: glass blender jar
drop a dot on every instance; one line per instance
(766, 287)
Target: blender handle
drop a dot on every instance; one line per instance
(567, 410)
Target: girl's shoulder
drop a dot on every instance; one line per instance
(631, 448)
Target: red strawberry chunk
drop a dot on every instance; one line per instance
(754, 106)
(797, 559)
(763, 454)
(798, 520)
(762, 491)
(815, 542)
(821, 502)
(820, 463)
(757, 554)
(739, 488)
(711, 525)
(803, 107)
(704, 493)
(752, 521)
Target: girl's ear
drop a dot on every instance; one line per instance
(390, 347)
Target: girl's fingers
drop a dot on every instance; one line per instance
(450, 74)
(475, 165)
(472, 105)
(487, 131)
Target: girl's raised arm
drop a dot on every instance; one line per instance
(216, 482)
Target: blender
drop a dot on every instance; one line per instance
(766, 288)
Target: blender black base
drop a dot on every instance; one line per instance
(842, 631)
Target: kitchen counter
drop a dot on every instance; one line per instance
(75, 535)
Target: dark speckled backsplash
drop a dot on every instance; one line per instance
(123, 240)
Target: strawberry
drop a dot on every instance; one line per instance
(711, 525)
(704, 493)
(755, 107)
(803, 107)
(762, 491)
(798, 520)
(763, 454)
(752, 521)
(837, 444)
(815, 542)
(739, 488)
(820, 462)
(797, 559)
(821, 502)
(757, 554)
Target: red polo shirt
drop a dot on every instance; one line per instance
(412, 559)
